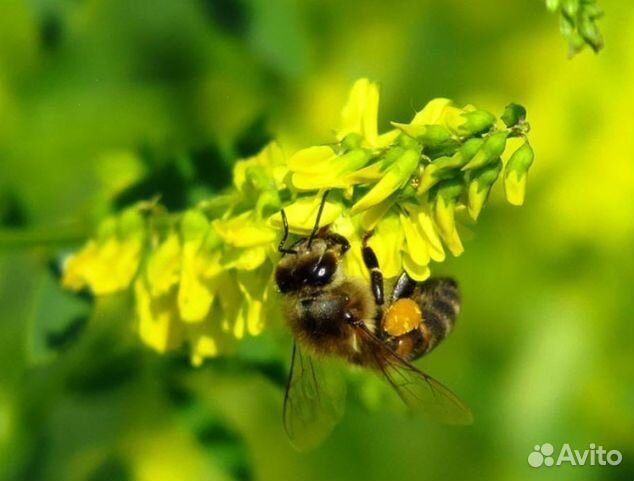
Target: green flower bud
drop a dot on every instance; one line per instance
(447, 167)
(396, 177)
(513, 115)
(435, 135)
(407, 142)
(194, 225)
(515, 173)
(470, 148)
(131, 223)
(590, 33)
(450, 190)
(592, 11)
(257, 177)
(107, 229)
(492, 148)
(440, 168)
(268, 202)
(475, 122)
(429, 135)
(480, 185)
(353, 160)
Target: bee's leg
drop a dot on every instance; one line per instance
(372, 263)
(404, 287)
(340, 240)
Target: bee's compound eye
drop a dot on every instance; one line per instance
(320, 274)
(285, 280)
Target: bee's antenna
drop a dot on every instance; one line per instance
(281, 247)
(319, 212)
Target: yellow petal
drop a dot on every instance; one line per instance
(157, 318)
(328, 172)
(445, 219)
(396, 177)
(271, 159)
(243, 259)
(109, 264)
(434, 244)
(386, 242)
(163, 267)
(244, 230)
(371, 173)
(194, 294)
(515, 187)
(374, 214)
(230, 299)
(312, 159)
(413, 130)
(416, 271)
(113, 266)
(307, 182)
(203, 347)
(415, 241)
(387, 138)
(432, 113)
(253, 287)
(360, 112)
(76, 265)
(302, 215)
(353, 262)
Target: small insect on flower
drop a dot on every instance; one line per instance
(333, 315)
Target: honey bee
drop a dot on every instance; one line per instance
(333, 315)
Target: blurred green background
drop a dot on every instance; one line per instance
(103, 102)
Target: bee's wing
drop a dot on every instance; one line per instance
(418, 390)
(314, 400)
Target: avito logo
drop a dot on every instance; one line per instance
(544, 455)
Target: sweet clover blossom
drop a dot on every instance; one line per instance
(203, 277)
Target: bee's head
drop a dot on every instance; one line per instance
(311, 263)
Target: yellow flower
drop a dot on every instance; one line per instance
(321, 167)
(387, 241)
(302, 213)
(244, 230)
(395, 178)
(163, 267)
(108, 263)
(194, 293)
(158, 322)
(265, 170)
(359, 115)
(204, 276)
(433, 114)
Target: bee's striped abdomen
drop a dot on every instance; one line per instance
(439, 302)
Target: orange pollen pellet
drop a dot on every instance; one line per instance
(402, 317)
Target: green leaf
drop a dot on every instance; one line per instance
(59, 318)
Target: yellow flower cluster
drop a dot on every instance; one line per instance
(204, 276)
